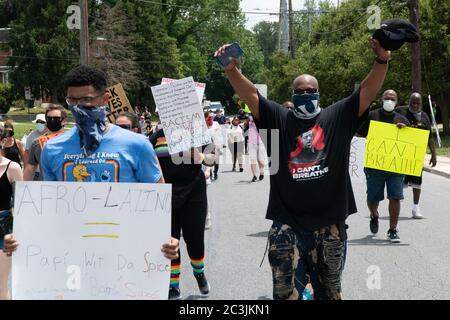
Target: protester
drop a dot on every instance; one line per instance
(220, 118)
(189, 207)
(12, 148)
(55, 117)
(216, 133)
(420, 120)
(110, 153)
(377, 179)
(10, 172)
(40, 129)
(309, 203)
(257, 151)
(236, 143)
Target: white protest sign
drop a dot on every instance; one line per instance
(98, 241)
(199, 87)
(181, 115)
(356, 161)
(262, 88)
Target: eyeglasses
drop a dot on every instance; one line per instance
(308, 90)
(71, 101)
(41, 122)
(124, 126)
(53, 119)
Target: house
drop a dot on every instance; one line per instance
(5, 53)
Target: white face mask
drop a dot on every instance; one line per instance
(40, 127)
(389, 105)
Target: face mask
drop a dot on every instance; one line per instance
(306, 106)
(91, 121)
(389, 105)
(40, 127)
(54, 125)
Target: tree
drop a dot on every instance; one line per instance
(44, 48)
(266, 34)
(6, 98)
(116, 56)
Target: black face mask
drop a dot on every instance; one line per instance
(54, 124)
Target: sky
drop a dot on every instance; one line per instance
(265, 6)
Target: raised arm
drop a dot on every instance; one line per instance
(374, 80)
(244, 88)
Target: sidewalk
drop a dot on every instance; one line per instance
(442, 167)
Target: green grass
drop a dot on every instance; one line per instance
(445, 150)
(20, 112)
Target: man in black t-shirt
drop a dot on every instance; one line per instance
(420, 120)
(377, 179)
(310, 199)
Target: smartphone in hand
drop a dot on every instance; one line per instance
(232, 51)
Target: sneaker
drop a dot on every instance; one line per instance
(174, 294)
(374, 225)
(393, 236)
(241, 169)
(208, 181)
(215, 176)
(416, 214)
(261, 176)
(254, 179)
(203, 284)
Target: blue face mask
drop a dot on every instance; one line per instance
(91, 121)
(306, 106)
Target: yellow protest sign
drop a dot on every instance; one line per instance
(389, 148)
(117, 102)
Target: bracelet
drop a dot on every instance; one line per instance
(378, 60)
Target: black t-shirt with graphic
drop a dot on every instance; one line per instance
(312, 187)
(380, 115)
(420, 122)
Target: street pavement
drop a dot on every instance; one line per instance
(416, 268)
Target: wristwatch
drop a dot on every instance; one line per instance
(378, 60)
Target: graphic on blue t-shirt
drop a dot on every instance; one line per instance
(106, 172)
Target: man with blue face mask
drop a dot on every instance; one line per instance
(94, 150)
(377, 179)
(311, 194)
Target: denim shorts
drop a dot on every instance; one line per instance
(377, 179)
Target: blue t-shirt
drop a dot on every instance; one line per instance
(123, 156)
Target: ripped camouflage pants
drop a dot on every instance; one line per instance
(299, 257)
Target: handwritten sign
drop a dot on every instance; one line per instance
(389, 148)
(199, 87)
(181, 115)
(117, 103)
(356, 160)
(91, 240)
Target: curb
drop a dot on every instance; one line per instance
(440, 173)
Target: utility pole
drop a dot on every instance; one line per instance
(416, 71)
(84, 33)
(283, 33)
(291, 36)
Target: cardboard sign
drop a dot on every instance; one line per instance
(91, 240)
(199, 87)
(181, 115)
(117, 103)
(356, 160)
(389, 148)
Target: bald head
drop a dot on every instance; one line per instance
(305, 81)
(390, 95)
(415, 102)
